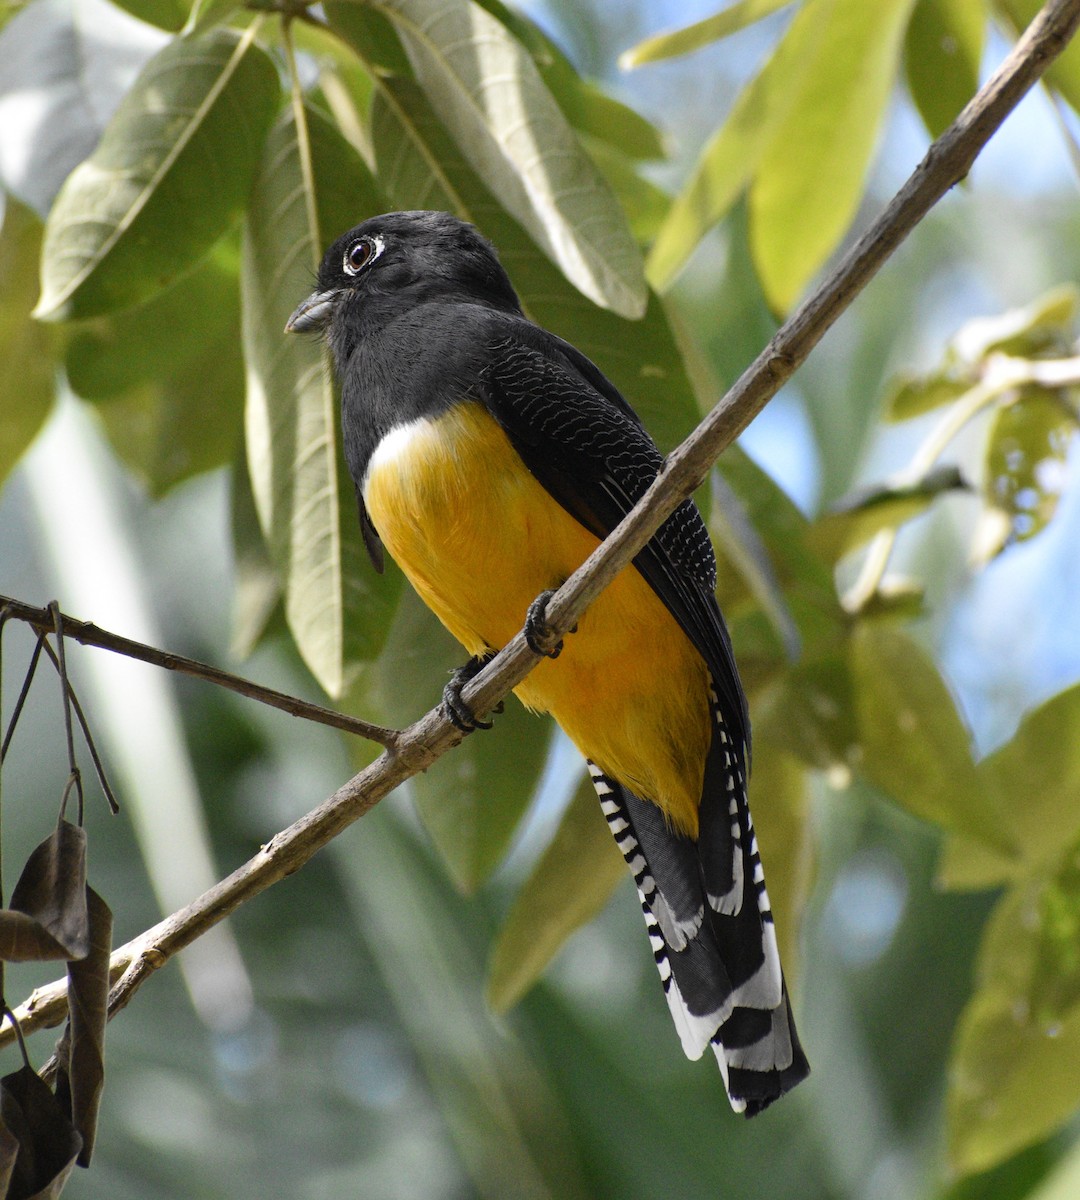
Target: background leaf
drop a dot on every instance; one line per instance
(702, 33)
(854, 520)
(571, 882)
(26, 383)
(731, 156)
(491, 97)
(337, 607)
(914, 745)
(1036, 773)
(1026, 459)
(152, 391)
(829, 131)
(1014, 1074)
(471, 801)
(73, 60)
(139, 212)
(780, 799)
(942, 55)
(510, 1135)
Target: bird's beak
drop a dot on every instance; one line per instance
(313, 314)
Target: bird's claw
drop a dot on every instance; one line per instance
(538, 633)
(459, 714)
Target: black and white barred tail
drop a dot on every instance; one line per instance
(711, 928)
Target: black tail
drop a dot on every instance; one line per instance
(711, 928)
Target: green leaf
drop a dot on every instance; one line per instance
(111, 355)
(731, 156)
(256, 587)
(808, 710)
(26, 382)
(804, 577)
(605, 119)
(780, 800)
(1011, 1084)
(858, 517)
(1026, 457)
(942, 55)
(420, 167)
(914, 746)
(337, 608)
(702, 33)
(589, 109)
(912, 395)
(165, 14)
(472, 800)
(491, 97)
(740, 543)
(171, 174)
(1043, 327)
(151, 390)
(644, 202)
(571, 882)
(1064, 72)
(1062, 1182)
(1036, 775)
(371, 35)
(499, 1109)
(835, 114)
(1014, 1077)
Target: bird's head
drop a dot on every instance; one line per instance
(396, 261)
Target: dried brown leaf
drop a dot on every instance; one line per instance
(48, 918)
(47, 1143)
(82, 1074)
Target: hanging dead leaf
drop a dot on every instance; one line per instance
(81, 1076)
(47, 918)
(47, 1144)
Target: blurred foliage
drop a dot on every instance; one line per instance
(170, 257)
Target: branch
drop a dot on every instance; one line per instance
(89, 634)
(948, 160)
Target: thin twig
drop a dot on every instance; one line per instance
(74, 774)
(99, 769)
(417, 747)
(88, 634)
(24, 691)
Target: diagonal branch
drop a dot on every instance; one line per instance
(948, 160)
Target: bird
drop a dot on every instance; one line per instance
(490, 457)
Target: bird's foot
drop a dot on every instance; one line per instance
(460, 715)
(538, 632)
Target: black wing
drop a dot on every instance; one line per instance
(585, 445)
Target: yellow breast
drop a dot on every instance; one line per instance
(479, 538)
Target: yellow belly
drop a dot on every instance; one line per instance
(479, 538)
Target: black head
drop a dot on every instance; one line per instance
(390, 263)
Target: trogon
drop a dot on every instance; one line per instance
(490, 457)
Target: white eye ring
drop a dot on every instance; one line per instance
(361, 253)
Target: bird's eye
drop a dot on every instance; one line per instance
(360, 254)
